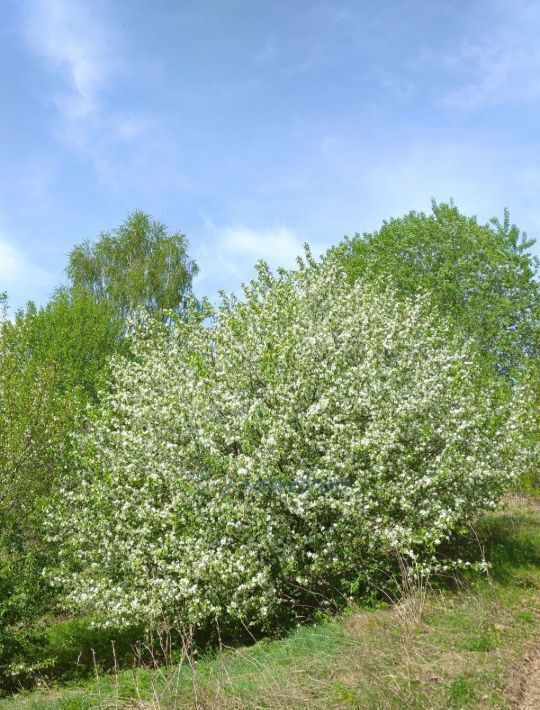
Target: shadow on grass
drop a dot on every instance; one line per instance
(78, 648)
(509, 542)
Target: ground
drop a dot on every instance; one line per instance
(526, 685)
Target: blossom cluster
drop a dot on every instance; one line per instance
(286, 450)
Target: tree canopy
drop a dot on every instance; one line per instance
(482, 276)
(138, 264)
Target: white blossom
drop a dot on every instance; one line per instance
(289, 447)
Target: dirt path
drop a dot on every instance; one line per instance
(530, 699)
(524, 689)
(527, 689)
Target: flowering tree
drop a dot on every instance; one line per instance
(287, 450)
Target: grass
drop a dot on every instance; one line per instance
(464, 651)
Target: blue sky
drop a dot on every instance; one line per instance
(253, 126)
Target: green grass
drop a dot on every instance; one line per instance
(458, 655)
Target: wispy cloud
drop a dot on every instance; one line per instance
(500, 64)
(501, 72)
(80, 45)
(67, 34)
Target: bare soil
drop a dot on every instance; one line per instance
(531, 689)
(523, 691)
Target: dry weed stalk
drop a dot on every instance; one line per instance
(413, 586)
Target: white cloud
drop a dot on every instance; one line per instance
(20, 276)
(279, 247)
(79, 43)
(502, 63)
(67, 35)
(501, 72)
(227, 255)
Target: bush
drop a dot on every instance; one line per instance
(245, 470)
